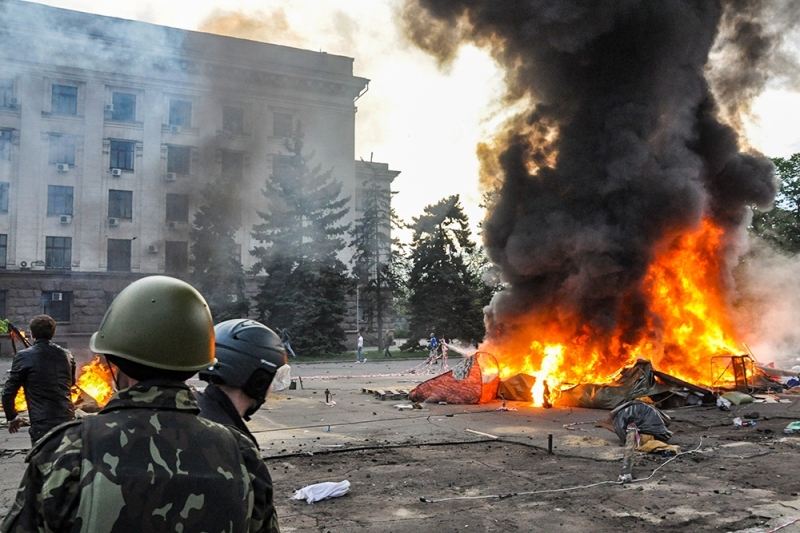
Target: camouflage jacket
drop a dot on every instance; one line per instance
(146, 462)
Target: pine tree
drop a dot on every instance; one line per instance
(375, 253)
(305, 285)
(780, 226)
(216, 265)
(447, 295)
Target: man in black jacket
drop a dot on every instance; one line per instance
(46, 372)
(248, 356)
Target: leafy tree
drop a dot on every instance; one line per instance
(216, 265)
(447, 294)
(781, 225)
(305, 285)
(375, 254)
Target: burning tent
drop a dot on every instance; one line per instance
(621, 193)
(473, 380)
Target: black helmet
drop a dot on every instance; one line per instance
(248, 356)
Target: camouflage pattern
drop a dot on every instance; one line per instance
(146, 462)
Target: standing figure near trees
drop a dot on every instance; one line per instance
(285, 339)
(389, 342)
(46, 372)
(433, 348)
(445, 349)
(360, 349)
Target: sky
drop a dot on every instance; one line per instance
(422, 121)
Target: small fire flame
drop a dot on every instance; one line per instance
(685, 300)
(94, 381)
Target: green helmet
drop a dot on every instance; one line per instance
(159, 322)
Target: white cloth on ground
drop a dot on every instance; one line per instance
(321, 491)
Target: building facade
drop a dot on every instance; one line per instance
(110, 128)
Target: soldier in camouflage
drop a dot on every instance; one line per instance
(147, 462)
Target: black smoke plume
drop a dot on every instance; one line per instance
(619, 150)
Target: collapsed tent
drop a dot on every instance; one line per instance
(476, 380)
(633, 382)
(473, 380)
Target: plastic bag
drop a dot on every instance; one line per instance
(648, 419)
(283, 378)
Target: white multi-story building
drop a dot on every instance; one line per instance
(110, 128)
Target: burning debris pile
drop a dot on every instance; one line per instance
(93, 388)
(621, 196)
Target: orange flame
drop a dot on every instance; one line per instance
(686, 316)
(95, 381)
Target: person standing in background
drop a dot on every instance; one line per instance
(46, 372)
(359, 349)
(285, 339)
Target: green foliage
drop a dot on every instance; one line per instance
(216, 265)
(4, 327)
(375, 254)
(305, 285)
(781, 225)
(446, 292)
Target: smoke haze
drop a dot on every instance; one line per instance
(619, 149)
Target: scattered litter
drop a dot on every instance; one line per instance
(571, 426)
(792, 428)
(737, 398)
(724, 404)
(331, 445)
(322, 491)
(656, 446)
(743, 423)
(481, 433)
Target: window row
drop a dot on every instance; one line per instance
(122, 155)
(58, 254)
(120, 203)
(124, 103)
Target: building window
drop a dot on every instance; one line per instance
(179, 159)
(5, 145)
(58, 253)
(176, 257)
(62, 150)
(57, 305)
(124, 107)
(233, 119)
(120, 204)
(180, 113)
(59, 200)
(282, 125)
(177, 207)
(122, 155)
(4, 185)
(6, 93)
(65, 100)
(119, 255)
(3, 303)
(232, 165)
(3, 252)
